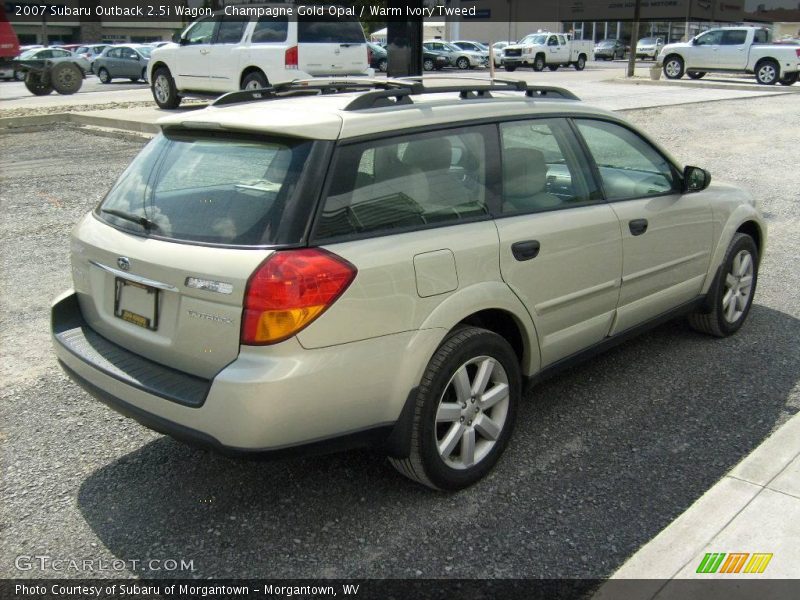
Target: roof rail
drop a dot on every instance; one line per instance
(382, 92)
(312, 86)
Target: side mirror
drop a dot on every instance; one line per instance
(695, 179)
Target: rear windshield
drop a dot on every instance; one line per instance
(329, 30)
(208, 189)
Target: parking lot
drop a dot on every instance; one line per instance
(603, 457)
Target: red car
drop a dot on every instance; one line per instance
(9, 46)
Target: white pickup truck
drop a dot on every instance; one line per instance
(732, 49)
(545, 49)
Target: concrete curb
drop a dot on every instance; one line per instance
(708, 85)
(79, 119)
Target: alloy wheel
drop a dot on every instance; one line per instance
(738, 286)
(161, 88)
(472, 412)
(672, 68)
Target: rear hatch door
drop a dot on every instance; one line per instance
(331, 46)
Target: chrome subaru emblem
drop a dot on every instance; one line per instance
(123, 263)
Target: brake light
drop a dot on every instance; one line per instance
(289, 290)
(797, 51)
(369, 55)
(290, 61)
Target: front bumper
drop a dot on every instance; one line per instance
(275, 398)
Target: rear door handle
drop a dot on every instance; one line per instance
(525, 250)
(638, 226)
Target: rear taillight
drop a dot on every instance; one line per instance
(797, 51)
(289, 290)
(369, 55)
(290, 61)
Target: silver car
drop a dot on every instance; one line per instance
(128, 61)
(389, 264)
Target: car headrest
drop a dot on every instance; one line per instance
(433, 154)
(524, 172)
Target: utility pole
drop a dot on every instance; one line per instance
(634, 38)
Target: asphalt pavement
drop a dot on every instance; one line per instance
(603, 457)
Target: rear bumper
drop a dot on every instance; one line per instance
(281, 398)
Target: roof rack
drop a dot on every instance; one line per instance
(392, 92)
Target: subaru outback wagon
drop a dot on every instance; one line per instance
(337, 263)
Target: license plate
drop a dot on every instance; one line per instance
(136, 303)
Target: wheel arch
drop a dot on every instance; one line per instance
(151, 68)
(251, 69)
(745, 219)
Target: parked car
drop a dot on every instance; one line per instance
(90, 52)
(224, 295)
(128, 61)
(610, 49)
(499, 52)
(217, 54)
(733, 49)
(434, 61)
(461, 59)
(551, 50)
(378, 57)
(649, 47)
(477, 47)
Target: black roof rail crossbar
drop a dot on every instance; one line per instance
(549, 90)
(307, 86)
(518, 84)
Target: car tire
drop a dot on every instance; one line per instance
(67, 78)
(165, 93)
(144, 75)
(767, 72)
(539, 63)
(255, 81)
(463, 63)
(696, 74)
(442, 432)
(580, 65)
(510, 68)
(553, 67)
(673, 67)
(789, 79)
(104, 75)
(383, 65)
(428, 64)
(729, 299)
(36, 86)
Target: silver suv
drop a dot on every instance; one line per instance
(335, 263)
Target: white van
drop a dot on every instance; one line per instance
(224, 53)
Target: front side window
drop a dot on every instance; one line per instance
(629, 166)
(114, 53)
(270, 29)
(552, 41)
(710, 38)
(196, 187)
(408, 182)
(202, 32)
(541, 170)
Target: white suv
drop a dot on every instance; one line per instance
(387, 263)
(225, 53)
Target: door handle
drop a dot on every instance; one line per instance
(638, 226)
(204, 51)
(525, 250)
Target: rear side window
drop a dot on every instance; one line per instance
(208, 189)
(230, 30)
(409, 182)
(629, 166)
(270, 29)
(735, 37)
(329, 30)
(761, 36)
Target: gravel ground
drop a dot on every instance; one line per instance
(603, 457)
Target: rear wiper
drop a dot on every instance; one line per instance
(143, 222)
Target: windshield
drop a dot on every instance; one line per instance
(28, 53)
(452, 48)
(144, 50)
(650, 41)
(534, 39)
(605, 43)
(205, 188)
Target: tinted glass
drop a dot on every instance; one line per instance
(761, 37)
(629, 166)
(541, 170)
(406, 183)
(209, 189)
(736, 37)
(329, 30)
(231, 30)
(270, 29)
